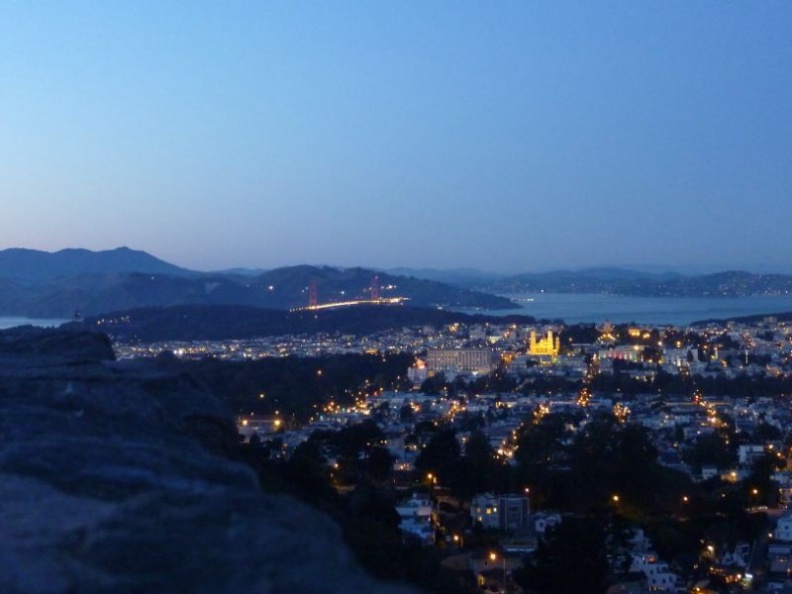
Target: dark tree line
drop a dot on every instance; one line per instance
(296, 386)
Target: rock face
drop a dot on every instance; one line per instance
(108, 484)
(40, 347)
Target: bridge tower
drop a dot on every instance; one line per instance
(312, 294)
(375, 288)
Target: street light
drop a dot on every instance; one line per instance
(493, 557)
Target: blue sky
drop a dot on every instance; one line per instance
(507, 136)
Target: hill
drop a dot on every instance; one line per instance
(40, 284)
(125, 478)
(457, 276)
(783, 317)
(200, 322)
(644, 284)
(34, 265)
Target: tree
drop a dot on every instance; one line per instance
(351, 442)
(477, 468)
(441, 456)
(434, 384)
(381, 412)
(765, 432)
(307, 470)
(711, 449)
(571, 559)
(406, 414)
(760, 484)
(379, 464)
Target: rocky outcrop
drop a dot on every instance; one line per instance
(109, 483)
(41, 347)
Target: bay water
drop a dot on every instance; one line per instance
(575, 308)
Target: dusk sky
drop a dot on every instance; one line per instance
(505, 136)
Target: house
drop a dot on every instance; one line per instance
(749, 453)
(484, 510)
(508, 513)
(543, 521)
(493, 569)
(658, 575)
(416, 518)
(783, 529)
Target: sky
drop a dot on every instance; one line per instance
(506, 136)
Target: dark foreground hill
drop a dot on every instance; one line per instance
(199, 322)
(114, 478)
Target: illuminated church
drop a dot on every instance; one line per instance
(549, 346)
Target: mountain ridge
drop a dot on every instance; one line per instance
(34, 283)
(37, 265)
(734, 283)
(40, 284)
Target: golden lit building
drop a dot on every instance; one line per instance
(549, 346)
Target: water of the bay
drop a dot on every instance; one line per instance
(12, 322)
(575, 308)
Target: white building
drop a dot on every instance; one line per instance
(458, 360)
(416, 518)
(484, 510)
(657, 573)
(749, 453)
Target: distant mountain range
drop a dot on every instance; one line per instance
(619, 281)
(41, 284)
(459, 276)
(644, 284)
(33, 265)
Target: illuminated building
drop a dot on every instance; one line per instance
(470, 360)
(418, 373)
(549, 346)
(607, 332)
(510, 513)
